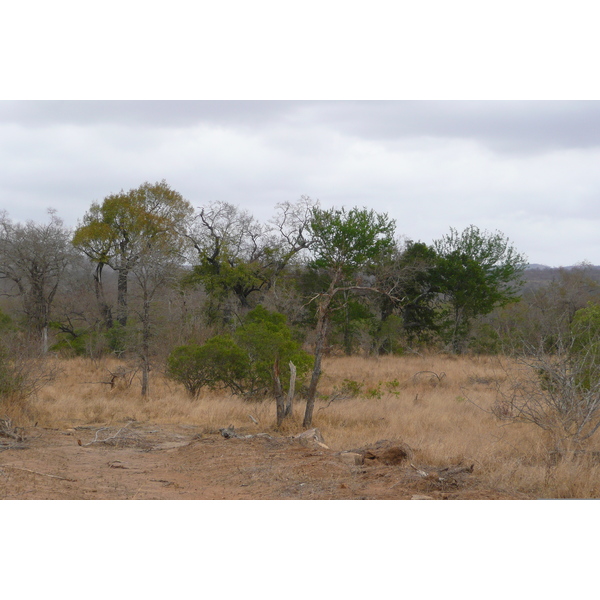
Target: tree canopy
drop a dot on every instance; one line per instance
(475, 272)
(118, 231)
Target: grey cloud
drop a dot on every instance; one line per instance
(145, 113)
(525, 126)
(519, 126)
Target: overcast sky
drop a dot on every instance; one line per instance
(529, 169)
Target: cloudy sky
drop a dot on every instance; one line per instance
(529, 169)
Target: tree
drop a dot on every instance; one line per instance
(237, 254)
(116, 232)
(253, 362)
(33, 259)
(408, 270)
(345, 244)
(156, 267)
(271, 348)
(475, 272)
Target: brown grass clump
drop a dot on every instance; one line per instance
(439, 406)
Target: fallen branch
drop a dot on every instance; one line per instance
(439, 377)
(110, 438)
(230, 432)
(38, 473)
(8, 430)
(419, 472)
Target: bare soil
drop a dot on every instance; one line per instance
(145, 461)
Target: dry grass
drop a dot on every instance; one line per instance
(439, 405)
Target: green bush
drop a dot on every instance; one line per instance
(219, 363)
(268, 339)
(244, 363)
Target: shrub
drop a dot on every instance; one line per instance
(22, 371)
(560, 391)
(244, 363)
(219, 363)
(268, 339)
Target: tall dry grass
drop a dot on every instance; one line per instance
(439, 405)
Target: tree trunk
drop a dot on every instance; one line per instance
(45, 340)
(289, 404)
(322, 324)
(122, 296)
(103, 306)
(279, 397)
(145, 347)
(347, 330)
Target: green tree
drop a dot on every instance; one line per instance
(254, 361)
(475, 272)
(408, 271)
(345, 245)
(118, 231)
(271, 347)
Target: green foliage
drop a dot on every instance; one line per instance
(416, 267)
(393, 387)
(244, 363)
(129, 226)
(351, 320)
(485, 340)
(239, 256)
(475, 272)
(351, 388)
(73, 343)
(374, 393)
(267, 339)
(118, 337)
(115, 230)
(219, 363)
(347, 241)
(389, 338)
(585, 349)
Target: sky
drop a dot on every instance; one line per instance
(528, 169)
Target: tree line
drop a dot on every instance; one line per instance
(146, 273)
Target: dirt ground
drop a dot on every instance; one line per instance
(144, 461)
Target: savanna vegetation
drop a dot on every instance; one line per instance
(157, 310)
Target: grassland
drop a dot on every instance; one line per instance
(439, 405)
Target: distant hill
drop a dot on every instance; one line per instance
(536, 275)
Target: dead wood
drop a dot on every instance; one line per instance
(37, 473)
(9, 431)
(123, 436)
(230, 432)
(438, 377)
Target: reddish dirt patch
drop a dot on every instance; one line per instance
(145, 461)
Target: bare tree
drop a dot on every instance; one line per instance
(156, 268)
(237, 254)
(33, 259)
(557, 384)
